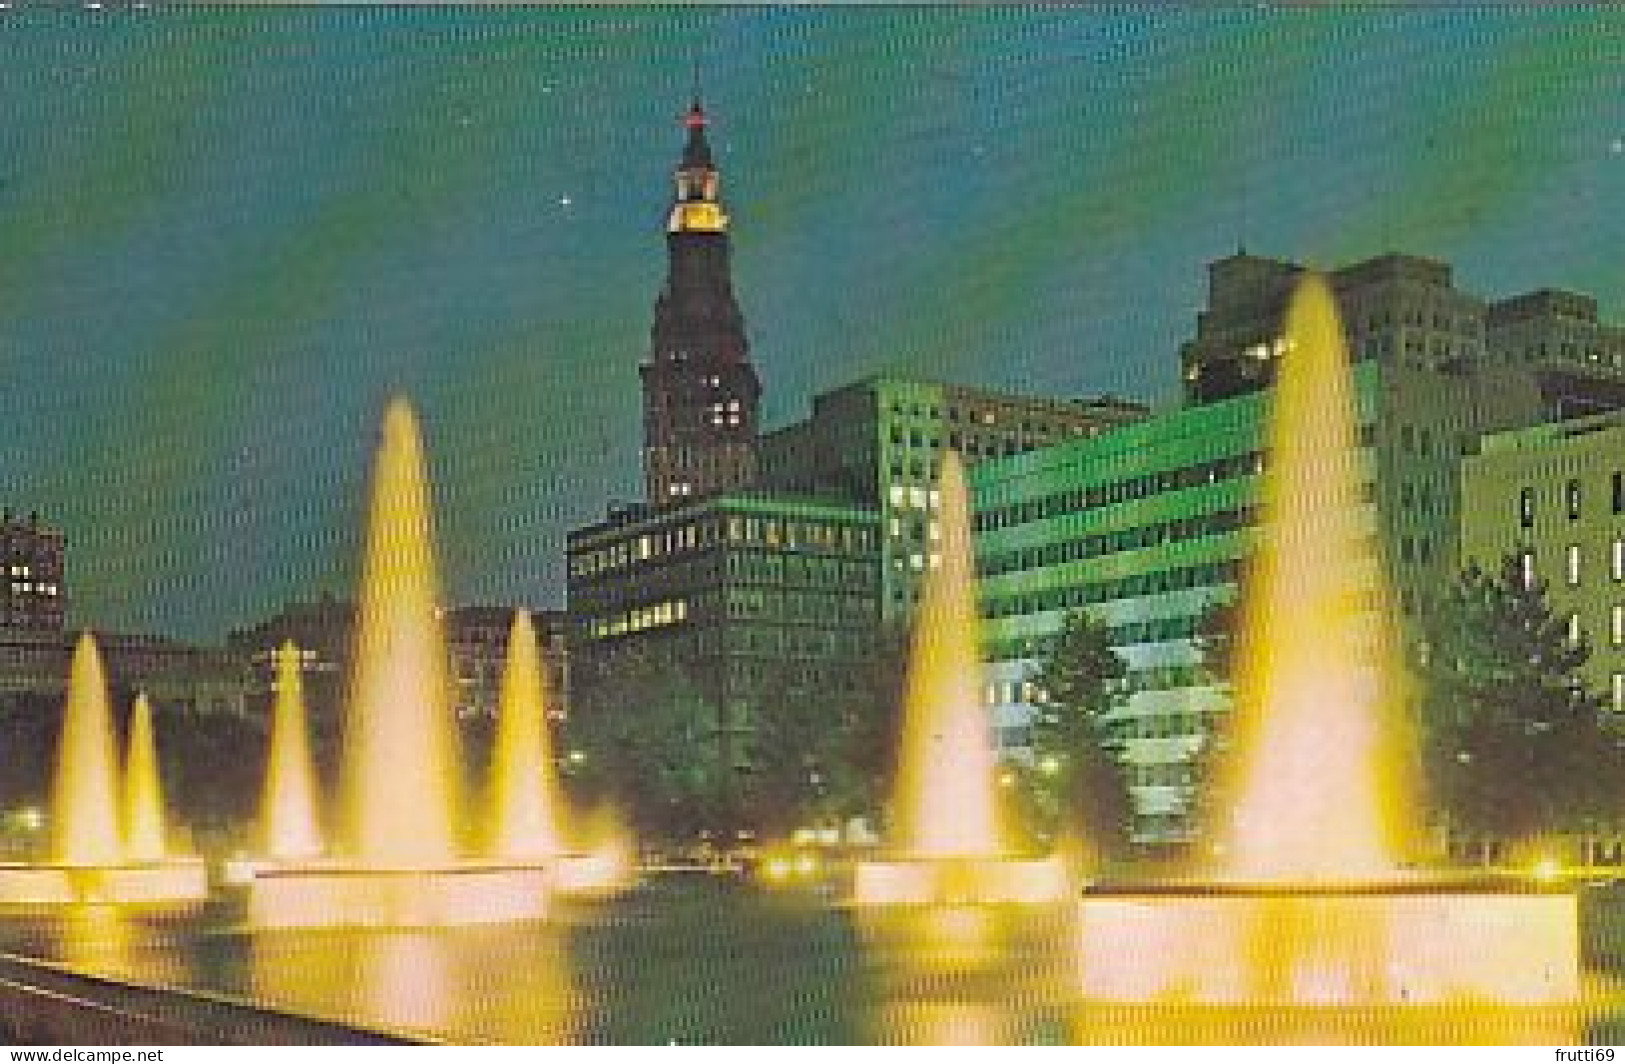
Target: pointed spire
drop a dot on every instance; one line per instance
(697, 152)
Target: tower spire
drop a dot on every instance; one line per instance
(700, 391)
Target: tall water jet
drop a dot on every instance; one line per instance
(288, 807)
(143, 791)
(399, 864)
(1310, 904)
(1318, 791)
(946, 803)
(84, 794)
(525, 797)
(399, 768)
(945, 842)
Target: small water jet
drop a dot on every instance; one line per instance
(288, 816)
(1311, 903)
(526, 803)
(143, 791)
(398, 862)
(946, 844)
(93, 861)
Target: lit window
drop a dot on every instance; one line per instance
(1527, 560)
(898, 495)
(1573, 566)
(1619, 559)
(1575, 631)
(1618, 685)
(1526, 507)
(1617, 625)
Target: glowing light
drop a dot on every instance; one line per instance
(1547, 870)
(30, 818)
(525, 799)
(143, 791)
(288, 806)
(399, 766)
(84, 793)
(945, 800)
(1318, 789)
(777, 869)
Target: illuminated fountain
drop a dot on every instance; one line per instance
(288, 815)
(399, 859)
(93, 860)
(946, 844)
(526, 803)
(1311, 902)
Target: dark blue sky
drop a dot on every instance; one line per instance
(227, 235)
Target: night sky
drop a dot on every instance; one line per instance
(226, 236)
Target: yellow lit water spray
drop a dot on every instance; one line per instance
(143, 792)
(1318, 791)
(288, 808)
(525, 797)
(400, 768)
(84, 800)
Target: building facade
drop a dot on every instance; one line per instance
(700, 391)
(737, 596)
(323, 632)
(1554, 495)
(1117, 523)
(31, 562)
(879, 442)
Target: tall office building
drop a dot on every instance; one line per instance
(878, 443)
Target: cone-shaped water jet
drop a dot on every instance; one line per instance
(288, 807)
(399, 865)
(84, 799)
(143, 791)
(946, 803)
(945, 843)
(525, 798)
(1318, 788)
(1311, 905)
(399, 768)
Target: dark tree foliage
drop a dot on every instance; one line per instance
(648, 739)
(1513, 743)
(822, 754)
(1077, 780)
(213, 768)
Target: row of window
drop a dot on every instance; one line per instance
(779, 533)
(1178, 530)
(1573, 499)
(1138, 585)
(1137, 487)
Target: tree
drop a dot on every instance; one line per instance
(822, 754)
(1513, 743)
(1077, 777)
(647, 737)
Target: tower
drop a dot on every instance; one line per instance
(700, 391)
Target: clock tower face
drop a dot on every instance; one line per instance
(700, 391)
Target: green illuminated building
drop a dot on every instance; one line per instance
(1150, 524)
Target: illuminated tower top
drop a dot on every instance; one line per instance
(700, 391)
(697, 209)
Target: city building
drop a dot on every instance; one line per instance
(878, 443)
(738, 596)
(1554, 495)
(1553, 328)
(700, 391)
(175, 676)
(31, 591)
(1126, 525)
(324, 634)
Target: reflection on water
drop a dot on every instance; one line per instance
(712, 962)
